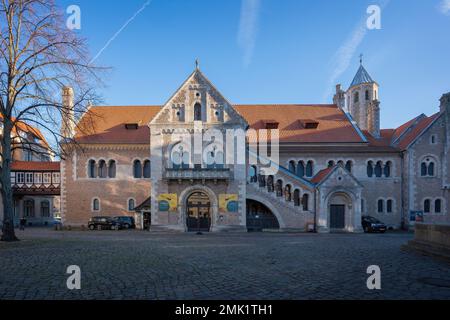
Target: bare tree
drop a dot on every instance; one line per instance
(39, 58)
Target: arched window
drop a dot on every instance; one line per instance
(367, 95)
(348, 166)
(431, 169)
(287, 193)
(438, 206)
(28, 208)
(433, 139)
(95, 204)
(45, 209)
(219, 160)
(112, 169)
(370, 169)
(92, 170)
(423, 169)
(378, 169)
(292, 167)
(427, 206)
(309, 169)
(279, 188)
(147, 169)
(270, 186)
(340, 163)
(253, 174)
(185, 160)
(262, 180)
(387, 169)
(301, 169)
(428, 168)
(380, 206)
(197, 112)
(389, 206)
(102, 170)
(131, 204)
(356, 97)
(330, 164)
(305, 200)
(137, 169)
(297, 198)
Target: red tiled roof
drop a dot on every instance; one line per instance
(416, 131)
(384, 141)
(334, 126)
(22, 126)
(35, 166)
(400, 130)
(107, 124)
(321, 175)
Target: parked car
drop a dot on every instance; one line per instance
(107, 223)
(371, 224)
(126, 222)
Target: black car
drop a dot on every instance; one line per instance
(104, 223)
(371, 224)
(126, 222)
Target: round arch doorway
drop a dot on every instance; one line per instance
(198, 215)
(259, 217)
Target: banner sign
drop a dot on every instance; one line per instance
(228, 202)
(168, 202)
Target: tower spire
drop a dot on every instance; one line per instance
(361, 59)
(197, 64)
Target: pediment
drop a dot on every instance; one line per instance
(197, 92)
(339, 176)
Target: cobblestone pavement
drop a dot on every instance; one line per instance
(142, 265)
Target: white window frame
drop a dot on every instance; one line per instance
(47, 178)
(20, 177)
(29, 178)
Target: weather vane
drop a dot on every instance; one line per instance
(361, 58)
(197, 64)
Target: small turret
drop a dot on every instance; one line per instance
(363, 103)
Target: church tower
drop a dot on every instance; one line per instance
(363, 103)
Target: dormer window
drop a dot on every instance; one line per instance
(131, 126)
(271, 124)
(309, 124)
(197, 112)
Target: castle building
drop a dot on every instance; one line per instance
(197, 163)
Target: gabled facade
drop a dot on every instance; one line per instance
(35, 178)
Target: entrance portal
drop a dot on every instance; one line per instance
(198, 215)
(337, 216)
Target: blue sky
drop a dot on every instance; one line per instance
(271, 51)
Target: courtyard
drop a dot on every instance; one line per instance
(142, 265)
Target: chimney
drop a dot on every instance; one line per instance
(373, 118)
(445, 102)
(339, 97)
(67, 113)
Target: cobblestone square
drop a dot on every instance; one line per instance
(141, 265)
